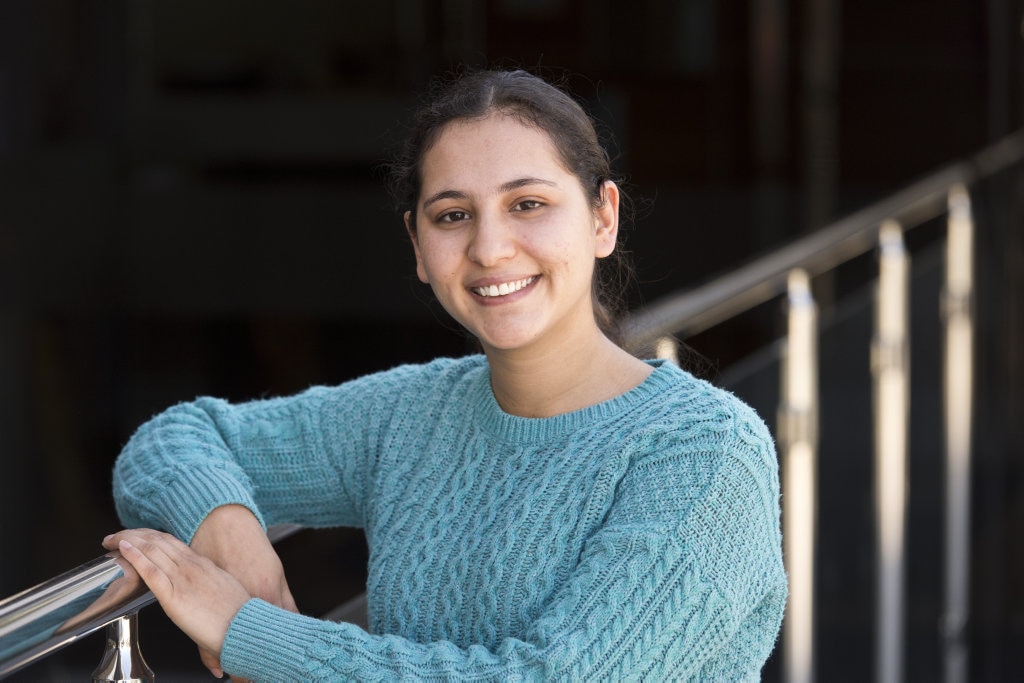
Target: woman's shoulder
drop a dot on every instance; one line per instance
(693, 435)
(693, 415)
(687, 400)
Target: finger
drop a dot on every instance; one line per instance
(138, 537)
(154, 577)
(164, 550)
(167, 546)
(288, 601)
(110, 542)
(158, 538)
(161, 549)
(211, 662)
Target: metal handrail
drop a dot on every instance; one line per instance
(741, 289)
(54, 614)
(881, 225)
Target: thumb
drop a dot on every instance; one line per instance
(211, 662)
(288, 600)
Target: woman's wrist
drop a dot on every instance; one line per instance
(232, 538)
(228, 531)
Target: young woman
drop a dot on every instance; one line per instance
(553, 508)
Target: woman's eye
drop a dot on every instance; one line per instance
(527, 205)
(453, 217)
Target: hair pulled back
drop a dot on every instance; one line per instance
(534, 102)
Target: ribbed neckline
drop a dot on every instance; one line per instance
(494, 420)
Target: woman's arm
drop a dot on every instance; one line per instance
(233, 539)
(300, 459)
(667, 589)
(209, 471)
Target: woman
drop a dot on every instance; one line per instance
(554, 508)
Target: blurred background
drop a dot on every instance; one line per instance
(191, 202)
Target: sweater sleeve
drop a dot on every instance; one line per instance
(680, 586)
(300, 459)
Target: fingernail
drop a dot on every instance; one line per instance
(106, 539)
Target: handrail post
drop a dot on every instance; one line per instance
(957, 406)
(667, 348)
(890, 369)
(798, 437)
(122, 659)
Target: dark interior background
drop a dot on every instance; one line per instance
(191, 202)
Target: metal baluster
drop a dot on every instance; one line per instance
(891, 368)
(667, 348)
(798, 437)
(958, 394)
(122, 659)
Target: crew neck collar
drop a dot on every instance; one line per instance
(494, 420)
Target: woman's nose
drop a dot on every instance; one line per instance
(492, 241)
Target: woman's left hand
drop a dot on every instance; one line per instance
(198, 596)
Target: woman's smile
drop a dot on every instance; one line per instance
(503, 291)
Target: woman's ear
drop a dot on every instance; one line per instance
(421, 272)
(606, 218)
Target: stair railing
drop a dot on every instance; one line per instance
(789, 271)
(105, 592)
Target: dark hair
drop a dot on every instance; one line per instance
(534, 102)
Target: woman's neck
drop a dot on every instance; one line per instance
(549, 382)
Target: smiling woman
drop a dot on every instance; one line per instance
(505, 218)
(538, 105)
(554, 508)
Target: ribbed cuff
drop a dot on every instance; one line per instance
(265, 642)
(186, 502)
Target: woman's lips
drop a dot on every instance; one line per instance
(503, 288)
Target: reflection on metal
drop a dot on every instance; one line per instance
(667, 349)
(122, 660)
(45, 618)
(958, 394)
(890, 368)
(798, 438)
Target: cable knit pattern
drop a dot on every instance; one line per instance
(635, 539)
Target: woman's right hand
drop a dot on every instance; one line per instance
(233, 539)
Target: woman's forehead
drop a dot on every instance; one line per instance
(497, 147)
(494, 128)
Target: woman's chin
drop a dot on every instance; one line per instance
(506, 342)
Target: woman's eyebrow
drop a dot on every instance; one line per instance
(444, 194)
(523, 182)
(505, 187)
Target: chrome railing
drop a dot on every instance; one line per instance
(104, 592)
(701, 308)
(56, 613)
(107, 592)
(880, 226)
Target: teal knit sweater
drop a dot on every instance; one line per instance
(634, 539)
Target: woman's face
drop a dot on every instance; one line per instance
(507, 237)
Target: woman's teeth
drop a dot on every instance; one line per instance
(504, 288)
